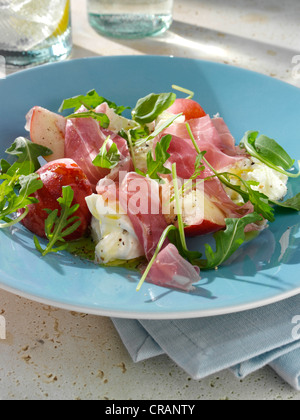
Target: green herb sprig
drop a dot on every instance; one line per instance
(91, 101)
(151, 106)
(269, 152)
(229, 240)
(259, 200)
(155, 166)
(107, 159)
(98, 116)
(19, 180)
(58, 227)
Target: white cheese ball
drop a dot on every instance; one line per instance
(113, 232)
(271, 183)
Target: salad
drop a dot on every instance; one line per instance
(136, 188)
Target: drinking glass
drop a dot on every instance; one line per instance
(34, 31)
(130, 18)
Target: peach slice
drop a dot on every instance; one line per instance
(47, 129)
(200, 214)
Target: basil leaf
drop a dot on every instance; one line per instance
(269, 152)
(229, 240)
(91, 100)
(272, 151)
(151, 106)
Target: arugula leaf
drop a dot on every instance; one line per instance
(192, 256)
(269, 152)
(199, 165)
(29, 184)
(11, 201)
(292, 203)
(98, 116)
(259, 200)
(229, 240)
(4, 166)
(57, 227)
(151, 106)
(161, 127)
(91, 100)
(26, 151)
(135, 134)
(156, 166)
(19, 180)
(178, 209)
(107, 159)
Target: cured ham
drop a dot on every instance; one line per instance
(83, 141)
(84, 138)
(170, 269)
(209, 135)
(227, 139)
(140, 197)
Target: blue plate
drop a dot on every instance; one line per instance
(263, 271)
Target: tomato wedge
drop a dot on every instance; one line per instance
(188, 107)
(55, 175)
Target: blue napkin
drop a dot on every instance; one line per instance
(244, 341)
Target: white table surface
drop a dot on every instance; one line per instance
(51, 353)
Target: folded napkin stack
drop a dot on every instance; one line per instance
(244, 341)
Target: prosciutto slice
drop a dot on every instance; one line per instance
(170, 269)
(212, 136)
(209, 135)
(140, 197)
(83, 140)
(227, 139)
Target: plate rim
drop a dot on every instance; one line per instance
(151, 315)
